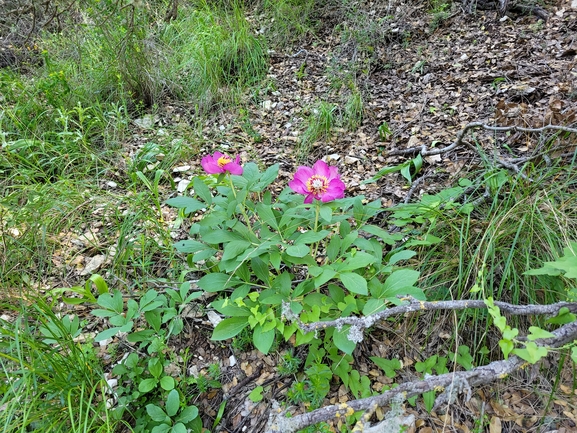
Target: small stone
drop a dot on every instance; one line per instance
(267, 105)
(213, 318)
(351, 160)
(232, 360)
(111, 184)
(146, 122)
(93, 264)
(181, 169)
(181, 187)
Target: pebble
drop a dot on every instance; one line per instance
(181, 168)
(181, 187)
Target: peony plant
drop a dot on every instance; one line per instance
(307, 252)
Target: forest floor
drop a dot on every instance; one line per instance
(420, 89)
(425, 85)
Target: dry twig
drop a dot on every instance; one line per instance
(278, 422)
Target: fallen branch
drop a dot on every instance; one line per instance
(512, 165)
(452, 383)
(424, 150)
(359, 324)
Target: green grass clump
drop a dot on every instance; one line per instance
(49, 382)
(213, 55)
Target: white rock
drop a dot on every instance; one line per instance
(267, 105)
(181, 168)
(213, 318)
(111, 184)
(146, 122)
(232, 360)
(93, 264)
(181, 187)
(351, 160)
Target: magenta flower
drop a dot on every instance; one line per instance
(320, 182)
(220, 163)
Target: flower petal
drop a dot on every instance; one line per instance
(210, 165)
(233, 168)
(309, 199)
(322, 168)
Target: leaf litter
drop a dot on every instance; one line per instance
(425, 86)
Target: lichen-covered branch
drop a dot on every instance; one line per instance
(413, 305)
(425, 151)
(496, 370)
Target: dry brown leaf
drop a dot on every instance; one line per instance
(495, 425)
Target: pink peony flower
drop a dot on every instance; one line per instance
(320, 182)
(220, 163)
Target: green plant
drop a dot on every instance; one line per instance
(384, 131)
(252, 248)
(440, 11)
(172, 417)
(320, 124)
(289, 364)
(353, 113)
(50, 382)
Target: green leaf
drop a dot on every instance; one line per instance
(327, 274)
(266, 213)
(256, 394)
(373, 306)
(574, 354)
(463, 357)
(189, 204)
(359, 260)
(509, 333)
(401, 255)
(107, 333)
(188, 414)
(266, 178)
(334, 248)
(563, 317)
(147, 385)
(162, 428)
(532, 353)
(341, 340)
(156, 413)
(167, 383)
(311, 237)
(155, 367)
(235, 248)
(326, 214)
(354, 283)
(179, 428)
(172, 403)
(298, 250)
(536, 333)
(398, 283)
(228, 328)
(262, 339)
(202, 190)
(260, 269)
(216, 282)
(112, 302)
(566, 264)
(506, 347)
(189, 246)
(387, 365)
(386, 237)
(220, 237)
(99, 282)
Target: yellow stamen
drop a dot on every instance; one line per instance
(317, 184)
(223, 160)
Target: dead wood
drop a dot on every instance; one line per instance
(452, 384)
